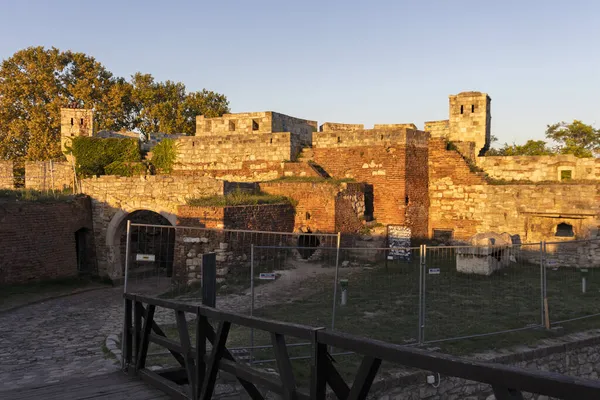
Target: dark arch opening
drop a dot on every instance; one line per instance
(307, 245)
(564, 230)
(84, 252)
(156, 239)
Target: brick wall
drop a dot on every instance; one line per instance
(539, 168)
(37, 240)
(7, 180)
(48, 175)
(264, 217)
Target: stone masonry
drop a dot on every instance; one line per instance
(7, 179)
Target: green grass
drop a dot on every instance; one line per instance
(238, 198)
(383, 304)
(35, 195)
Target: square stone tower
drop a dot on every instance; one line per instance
(470, 119)
(75, 122)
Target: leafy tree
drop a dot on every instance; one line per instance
(575, 138)
(166, 106)
(36, 82)
(530, 148)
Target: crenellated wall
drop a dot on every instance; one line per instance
(539, 168)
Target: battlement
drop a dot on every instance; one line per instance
(369, 137)
(254, 122)
(334, 126)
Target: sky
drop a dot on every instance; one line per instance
(343, 61)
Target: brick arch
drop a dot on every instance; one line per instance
(113, 236)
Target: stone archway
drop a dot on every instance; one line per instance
(158, 241)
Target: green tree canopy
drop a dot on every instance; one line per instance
(36, 82)
(575, 138)
(530, 148)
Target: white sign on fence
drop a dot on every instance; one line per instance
(144, 257)
(434, 271)
(269, 276)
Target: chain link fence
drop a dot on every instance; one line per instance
(420, 296)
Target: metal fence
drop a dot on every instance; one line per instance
(422, 295)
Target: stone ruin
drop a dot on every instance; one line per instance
(490, 252)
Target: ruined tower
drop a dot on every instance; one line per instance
(75, 122)
(470, 119)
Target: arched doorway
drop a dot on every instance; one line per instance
(307, 245)
(154, 237)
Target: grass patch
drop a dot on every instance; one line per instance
(36, 195)
(239, 198)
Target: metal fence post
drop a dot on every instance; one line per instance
(337, 268)
(542, 284)
(420, 323)
(251, 301)
(125, 330)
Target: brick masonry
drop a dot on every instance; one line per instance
(37, 240)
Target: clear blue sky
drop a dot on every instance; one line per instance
(343, 61)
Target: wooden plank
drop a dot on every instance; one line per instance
(335, 380)
(162, 384)
(143, 352)
(202, 325)
(213, 364)
(318, 375)
(248, 386)
(115, 385)
(170, 304)
(137, 328)
(128, 341)
(167, 343)
(364, 378)
(184, 338)
(160, 332)
(550, 384)
(284, 366)
(503, 393)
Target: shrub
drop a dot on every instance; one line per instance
(163, 156)
(93, 155)
(122, 168)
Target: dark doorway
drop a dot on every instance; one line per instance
(156, 238)
(307, 245)
(81, 250)
(564, 230)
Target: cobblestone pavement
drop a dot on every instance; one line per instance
(60, 339)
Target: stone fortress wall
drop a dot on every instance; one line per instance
(412, 177)
(7, 179)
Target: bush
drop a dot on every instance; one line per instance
(36, 195)
(163, 156)
(93, 155)
(122, 168)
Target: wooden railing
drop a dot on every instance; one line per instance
(198, 367)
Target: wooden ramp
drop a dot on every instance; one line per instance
(116, 385)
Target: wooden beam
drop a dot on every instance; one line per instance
(318, 373)
(201, 328)
(128, 339)
(335, 380)
(143, 351)
(284, 366)
(213, 364)
(364, 378)
(184, 338)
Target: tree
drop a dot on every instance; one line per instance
(36, 82)
(166, 106)
(575, 138)
(530, 148)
